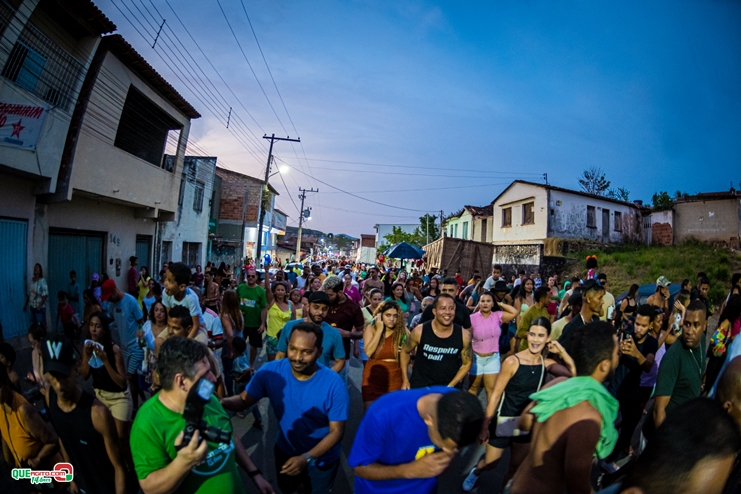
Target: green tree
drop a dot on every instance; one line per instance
(396, 236)
(662, 201)
(593, 181)
(619, 193)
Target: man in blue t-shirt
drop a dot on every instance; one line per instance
(332, 346)
(311, 404)
(128, 318)
(408, 438)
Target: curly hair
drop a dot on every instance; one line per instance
(400, 330)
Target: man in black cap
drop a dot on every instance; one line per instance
(84, 424)
(332, 346)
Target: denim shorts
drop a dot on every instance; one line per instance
(486, 365)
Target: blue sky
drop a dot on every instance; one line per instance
(459, 99)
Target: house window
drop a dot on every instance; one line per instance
(528, 213)
(506, 217)
(484, 225)
(191, 253)
(143, 129)
(618, 222)
(181, 194)
(455, 230)
(198, 198)
(591, 217)
(39, 65)
(465, 231)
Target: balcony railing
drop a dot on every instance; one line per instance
(6, 15)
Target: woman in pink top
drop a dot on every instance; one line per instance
(486, 327)
(350, 291)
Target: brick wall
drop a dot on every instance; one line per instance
(662, 234)
(233, 186)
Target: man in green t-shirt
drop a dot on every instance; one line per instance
(681, 369)
(162, 462)
(540, 309)
(254, 306)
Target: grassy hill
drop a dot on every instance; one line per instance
(625, 265)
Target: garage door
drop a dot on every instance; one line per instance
(81, 252)
(13, 235)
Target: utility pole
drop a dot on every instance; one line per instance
(272, 138)
(301, 220)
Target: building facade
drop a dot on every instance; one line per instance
(471, 223)
(713, 217)
(186, 238)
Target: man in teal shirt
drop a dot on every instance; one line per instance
(161, 460)
(254, 306)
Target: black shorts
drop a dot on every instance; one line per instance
(254, 337)
(504, 442)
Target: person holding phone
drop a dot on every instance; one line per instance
(521, 375)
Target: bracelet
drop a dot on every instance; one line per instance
(254, 473)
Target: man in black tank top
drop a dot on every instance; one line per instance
(85, 426)
(444, 354)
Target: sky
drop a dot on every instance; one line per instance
(411, 107)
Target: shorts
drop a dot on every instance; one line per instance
(133, 356)
(271, 345)
(254, 337)
(119, 403)
(504, 442)
(486, 365)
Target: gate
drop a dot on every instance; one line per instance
(13, 235)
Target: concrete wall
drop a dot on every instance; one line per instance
(515, 197)
(43, 164)
(101, 168)
(716, 221)
(568, 218)
(117, 222)
(662, 227)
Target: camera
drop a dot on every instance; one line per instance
(195, 403)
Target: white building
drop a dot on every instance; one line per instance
(470, 223)
(186, 238)
(525, 214)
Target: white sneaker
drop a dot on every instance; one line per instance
(470, 481)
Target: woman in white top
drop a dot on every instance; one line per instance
(38, 292)
(154, 326)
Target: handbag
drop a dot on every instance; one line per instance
(510, 426)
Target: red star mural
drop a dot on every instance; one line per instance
(17, 128)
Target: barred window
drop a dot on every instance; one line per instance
(39, 65)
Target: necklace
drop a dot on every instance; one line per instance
(699, 367)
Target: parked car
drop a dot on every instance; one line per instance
(645, 291)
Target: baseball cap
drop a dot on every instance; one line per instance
(96, 277)
(59, 355)
(108, 287)
(319, 298)
(500, 286)
(663, 282)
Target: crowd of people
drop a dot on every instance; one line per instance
(585, 392)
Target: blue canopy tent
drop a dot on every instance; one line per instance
(404, 250)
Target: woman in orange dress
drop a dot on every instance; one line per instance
(382, 341)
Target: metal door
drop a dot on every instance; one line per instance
(68, 251)
(13, 236)
(605, 225)
(143, 252)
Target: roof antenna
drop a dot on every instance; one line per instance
(545, 178)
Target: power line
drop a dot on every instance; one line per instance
(408, 166)
(424, 189)
(354, 195)
(476, 175)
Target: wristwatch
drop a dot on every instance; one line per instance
(310, 460)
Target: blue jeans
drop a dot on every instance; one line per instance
(38, 315)
(315, 479)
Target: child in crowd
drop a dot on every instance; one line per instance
(66, 313)
(241, 374)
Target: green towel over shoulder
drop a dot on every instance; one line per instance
(572, 392)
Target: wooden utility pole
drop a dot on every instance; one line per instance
(301, 220)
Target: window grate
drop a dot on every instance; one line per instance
(39, 65)
(6, 15)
